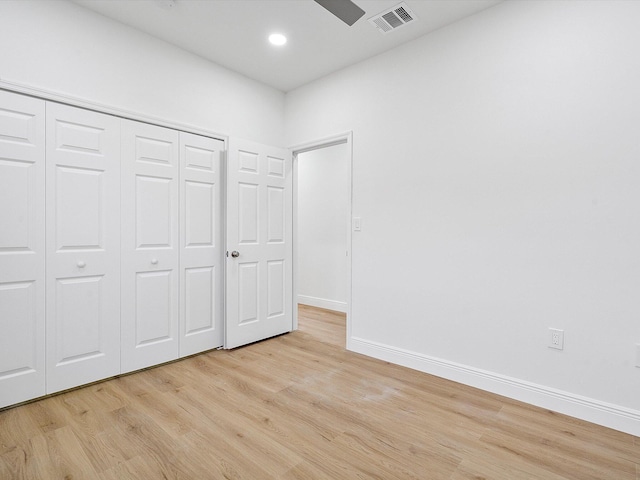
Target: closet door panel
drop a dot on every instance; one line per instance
(22, 257)
(149, 245)
(199, 307)
(78, 333)
(79, 209)
(83, 247)
(201, 248)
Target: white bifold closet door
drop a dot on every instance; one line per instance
(22, 249)
(201, 244)
(83, 246)
(150, 245)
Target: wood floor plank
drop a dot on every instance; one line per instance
(299, 406)
(566, 433)
(16, 427)
(489, 467)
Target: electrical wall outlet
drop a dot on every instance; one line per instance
(556, 338)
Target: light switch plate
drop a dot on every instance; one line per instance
(357, 224)
(638, 355)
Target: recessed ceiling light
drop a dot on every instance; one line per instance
(277, 39)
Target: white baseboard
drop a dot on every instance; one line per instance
(323, 303)
(594, 411)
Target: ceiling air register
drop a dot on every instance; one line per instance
(394, 18)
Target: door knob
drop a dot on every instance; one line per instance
(235, 254)
(81, 264)
(154, 261)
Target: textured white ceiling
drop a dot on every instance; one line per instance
(233, 33)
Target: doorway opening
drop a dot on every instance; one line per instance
(322, 191)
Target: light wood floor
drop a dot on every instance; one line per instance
(300, 406)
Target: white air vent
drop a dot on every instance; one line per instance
(393, 18)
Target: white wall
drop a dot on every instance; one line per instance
(61, 47)
(496, 166)
(323, 217)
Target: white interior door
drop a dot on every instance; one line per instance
(149, 245)
(259, 243)
(201, 244)
(22, 256)
(83, 246)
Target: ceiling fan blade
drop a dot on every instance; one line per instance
(345, 10)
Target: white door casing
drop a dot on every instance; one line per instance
(259, 230)
(201, 244)
(150, 252)
(83, 246)
(22, 248)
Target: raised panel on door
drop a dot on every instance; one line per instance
(248, 292)
(259, 223)
(154, 307)
(150, 248)
(201, 251)
(83, 318)
(22, 255)
(83, 246)
(79, 213)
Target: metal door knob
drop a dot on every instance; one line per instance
(81, 264)
(154, 261)
(235, 254)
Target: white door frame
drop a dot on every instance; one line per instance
(344, 138)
